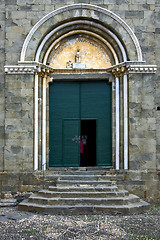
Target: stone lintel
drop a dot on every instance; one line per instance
(81, 76)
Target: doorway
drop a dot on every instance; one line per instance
(79, 109)
(88, 143)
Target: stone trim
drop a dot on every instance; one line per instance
(132, 67)
(83, 7)
(28, 68)
(88, 23)
(142, 69)
(78, 70)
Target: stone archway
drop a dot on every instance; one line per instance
(106, 29)
(72, 16)
(89, 22)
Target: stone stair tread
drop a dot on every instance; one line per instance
(140, 203)
(82, 169)
(49, 193)
(119, 200)
(83, 182)
(35, 196)
(84, 188)
(79, 173)
(85, 209)
(67, 177)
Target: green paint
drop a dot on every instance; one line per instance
(69, 103)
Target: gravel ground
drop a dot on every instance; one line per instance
(15, 224)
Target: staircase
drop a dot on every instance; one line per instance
(84, 191)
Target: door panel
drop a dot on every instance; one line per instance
(55, 143)
(71, 146)
(96, 103)
(63, 104)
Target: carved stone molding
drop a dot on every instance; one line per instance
(28, 68)
(44, 70)
(80, 70)
(84, 9)
(142, 69)
(132, 67)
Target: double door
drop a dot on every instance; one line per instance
(80, 124)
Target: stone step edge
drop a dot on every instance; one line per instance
(125, 198)
(80, 192)
(116, 193)
(83, 182)
(130, 196)
(77, 175)
(91, 168)
(85, 209)
(112, 187)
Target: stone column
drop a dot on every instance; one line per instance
(44, 124)
(117, 123)
(36, 122)
(125, 99)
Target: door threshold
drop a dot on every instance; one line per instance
(92, 168)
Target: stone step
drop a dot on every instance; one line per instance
(83, 183)
(87, 177)
(112, 188)
(81, 169)
(53, 194)
(84, 201)
(83, 191)
(85, 209)
(78, 172)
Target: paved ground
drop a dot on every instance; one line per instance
(24, 225)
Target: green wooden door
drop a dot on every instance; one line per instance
(96, 104)
(71, 102)
(71, 146)
(63, 126)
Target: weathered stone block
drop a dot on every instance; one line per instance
(18, 14)
(11, 2)
(58, 2)
(139, 1)
(25, 8)
(96, 1)
(151, 1)
(79, 1)
(21, 2)
(134, 14)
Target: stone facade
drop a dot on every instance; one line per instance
(17, 18)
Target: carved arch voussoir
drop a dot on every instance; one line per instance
(93, 13)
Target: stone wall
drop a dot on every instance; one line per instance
(18, 151)
(142, 122)
(144, 183)
(2, 83)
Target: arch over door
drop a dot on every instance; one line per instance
(71, 102)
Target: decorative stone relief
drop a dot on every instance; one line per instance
(82, 52)
(69, 64)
